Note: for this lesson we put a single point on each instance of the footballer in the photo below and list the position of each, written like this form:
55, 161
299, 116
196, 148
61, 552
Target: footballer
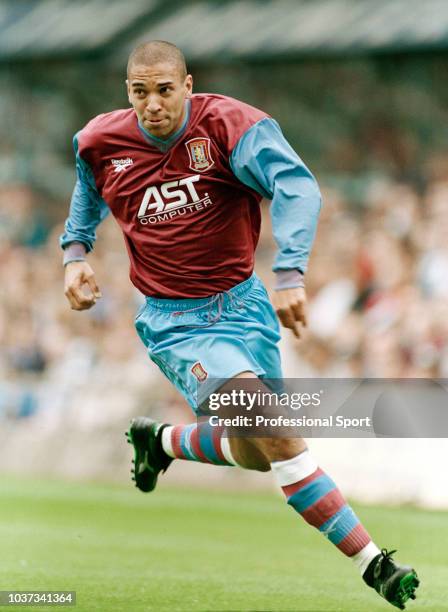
183, 174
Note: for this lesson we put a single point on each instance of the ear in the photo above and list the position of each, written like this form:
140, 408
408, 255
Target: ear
188, 85
128, 89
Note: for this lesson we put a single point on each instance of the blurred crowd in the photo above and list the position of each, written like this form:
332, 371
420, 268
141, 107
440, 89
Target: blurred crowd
378, 276
51, 356
377, 287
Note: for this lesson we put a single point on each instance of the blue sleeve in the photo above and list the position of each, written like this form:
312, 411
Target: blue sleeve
87, 208
263, 160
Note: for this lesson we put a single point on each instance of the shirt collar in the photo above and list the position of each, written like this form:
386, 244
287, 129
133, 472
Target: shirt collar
163, 144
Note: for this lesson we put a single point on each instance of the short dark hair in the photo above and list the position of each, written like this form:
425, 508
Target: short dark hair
157, 51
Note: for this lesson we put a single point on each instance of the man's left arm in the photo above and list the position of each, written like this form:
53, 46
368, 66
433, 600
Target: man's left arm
263, 160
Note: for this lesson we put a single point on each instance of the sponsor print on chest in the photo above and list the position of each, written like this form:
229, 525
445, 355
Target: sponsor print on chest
165, 201
172, 199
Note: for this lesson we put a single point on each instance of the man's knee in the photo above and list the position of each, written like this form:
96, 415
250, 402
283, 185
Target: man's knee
247, 455
280, 449
259, 453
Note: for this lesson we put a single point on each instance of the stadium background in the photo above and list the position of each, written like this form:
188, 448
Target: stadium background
361, 96
360, 90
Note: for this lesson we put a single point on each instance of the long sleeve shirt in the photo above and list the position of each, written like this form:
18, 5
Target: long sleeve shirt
189, 206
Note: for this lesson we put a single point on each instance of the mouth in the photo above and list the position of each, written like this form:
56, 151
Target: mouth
153, 121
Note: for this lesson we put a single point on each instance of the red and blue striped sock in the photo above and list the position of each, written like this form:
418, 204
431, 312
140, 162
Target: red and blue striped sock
197, 442
315, 496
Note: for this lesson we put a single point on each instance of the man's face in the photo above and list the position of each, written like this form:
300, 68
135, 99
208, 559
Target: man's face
157, 94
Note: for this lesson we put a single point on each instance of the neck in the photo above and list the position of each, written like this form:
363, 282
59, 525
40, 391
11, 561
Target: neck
165, 142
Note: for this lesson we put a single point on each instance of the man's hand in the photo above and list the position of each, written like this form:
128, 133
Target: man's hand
290, 305
79, 275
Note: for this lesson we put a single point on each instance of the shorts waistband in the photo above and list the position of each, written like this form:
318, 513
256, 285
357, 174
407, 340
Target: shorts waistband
171, 305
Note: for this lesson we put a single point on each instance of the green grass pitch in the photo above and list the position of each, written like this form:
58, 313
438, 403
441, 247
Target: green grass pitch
195, 550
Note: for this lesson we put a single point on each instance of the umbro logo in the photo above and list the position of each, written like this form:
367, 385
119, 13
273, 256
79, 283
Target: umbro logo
120, 165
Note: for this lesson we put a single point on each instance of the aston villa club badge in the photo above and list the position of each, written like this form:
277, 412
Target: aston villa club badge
199, 371
199, 154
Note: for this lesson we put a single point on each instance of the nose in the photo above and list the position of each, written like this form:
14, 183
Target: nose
153, 105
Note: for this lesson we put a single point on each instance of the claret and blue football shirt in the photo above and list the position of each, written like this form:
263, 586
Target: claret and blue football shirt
189, 206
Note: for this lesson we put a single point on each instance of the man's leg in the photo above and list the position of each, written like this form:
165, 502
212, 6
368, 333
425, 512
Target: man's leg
157, 444
309, 490
316, 498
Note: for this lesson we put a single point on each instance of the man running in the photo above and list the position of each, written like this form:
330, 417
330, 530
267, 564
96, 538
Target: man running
184, 175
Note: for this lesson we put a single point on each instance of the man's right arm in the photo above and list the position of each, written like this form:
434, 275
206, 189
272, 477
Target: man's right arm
87, 210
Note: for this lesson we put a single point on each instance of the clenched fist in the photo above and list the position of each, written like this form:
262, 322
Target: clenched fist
80, 289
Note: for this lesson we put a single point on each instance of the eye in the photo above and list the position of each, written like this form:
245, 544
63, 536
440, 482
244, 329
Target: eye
165, 89
140, 93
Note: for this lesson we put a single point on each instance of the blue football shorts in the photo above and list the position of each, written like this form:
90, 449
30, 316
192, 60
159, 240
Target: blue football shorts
200, 343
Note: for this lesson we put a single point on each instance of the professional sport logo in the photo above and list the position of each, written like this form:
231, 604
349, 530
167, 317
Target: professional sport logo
199, 154
120, 165
199, 371
172, 199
